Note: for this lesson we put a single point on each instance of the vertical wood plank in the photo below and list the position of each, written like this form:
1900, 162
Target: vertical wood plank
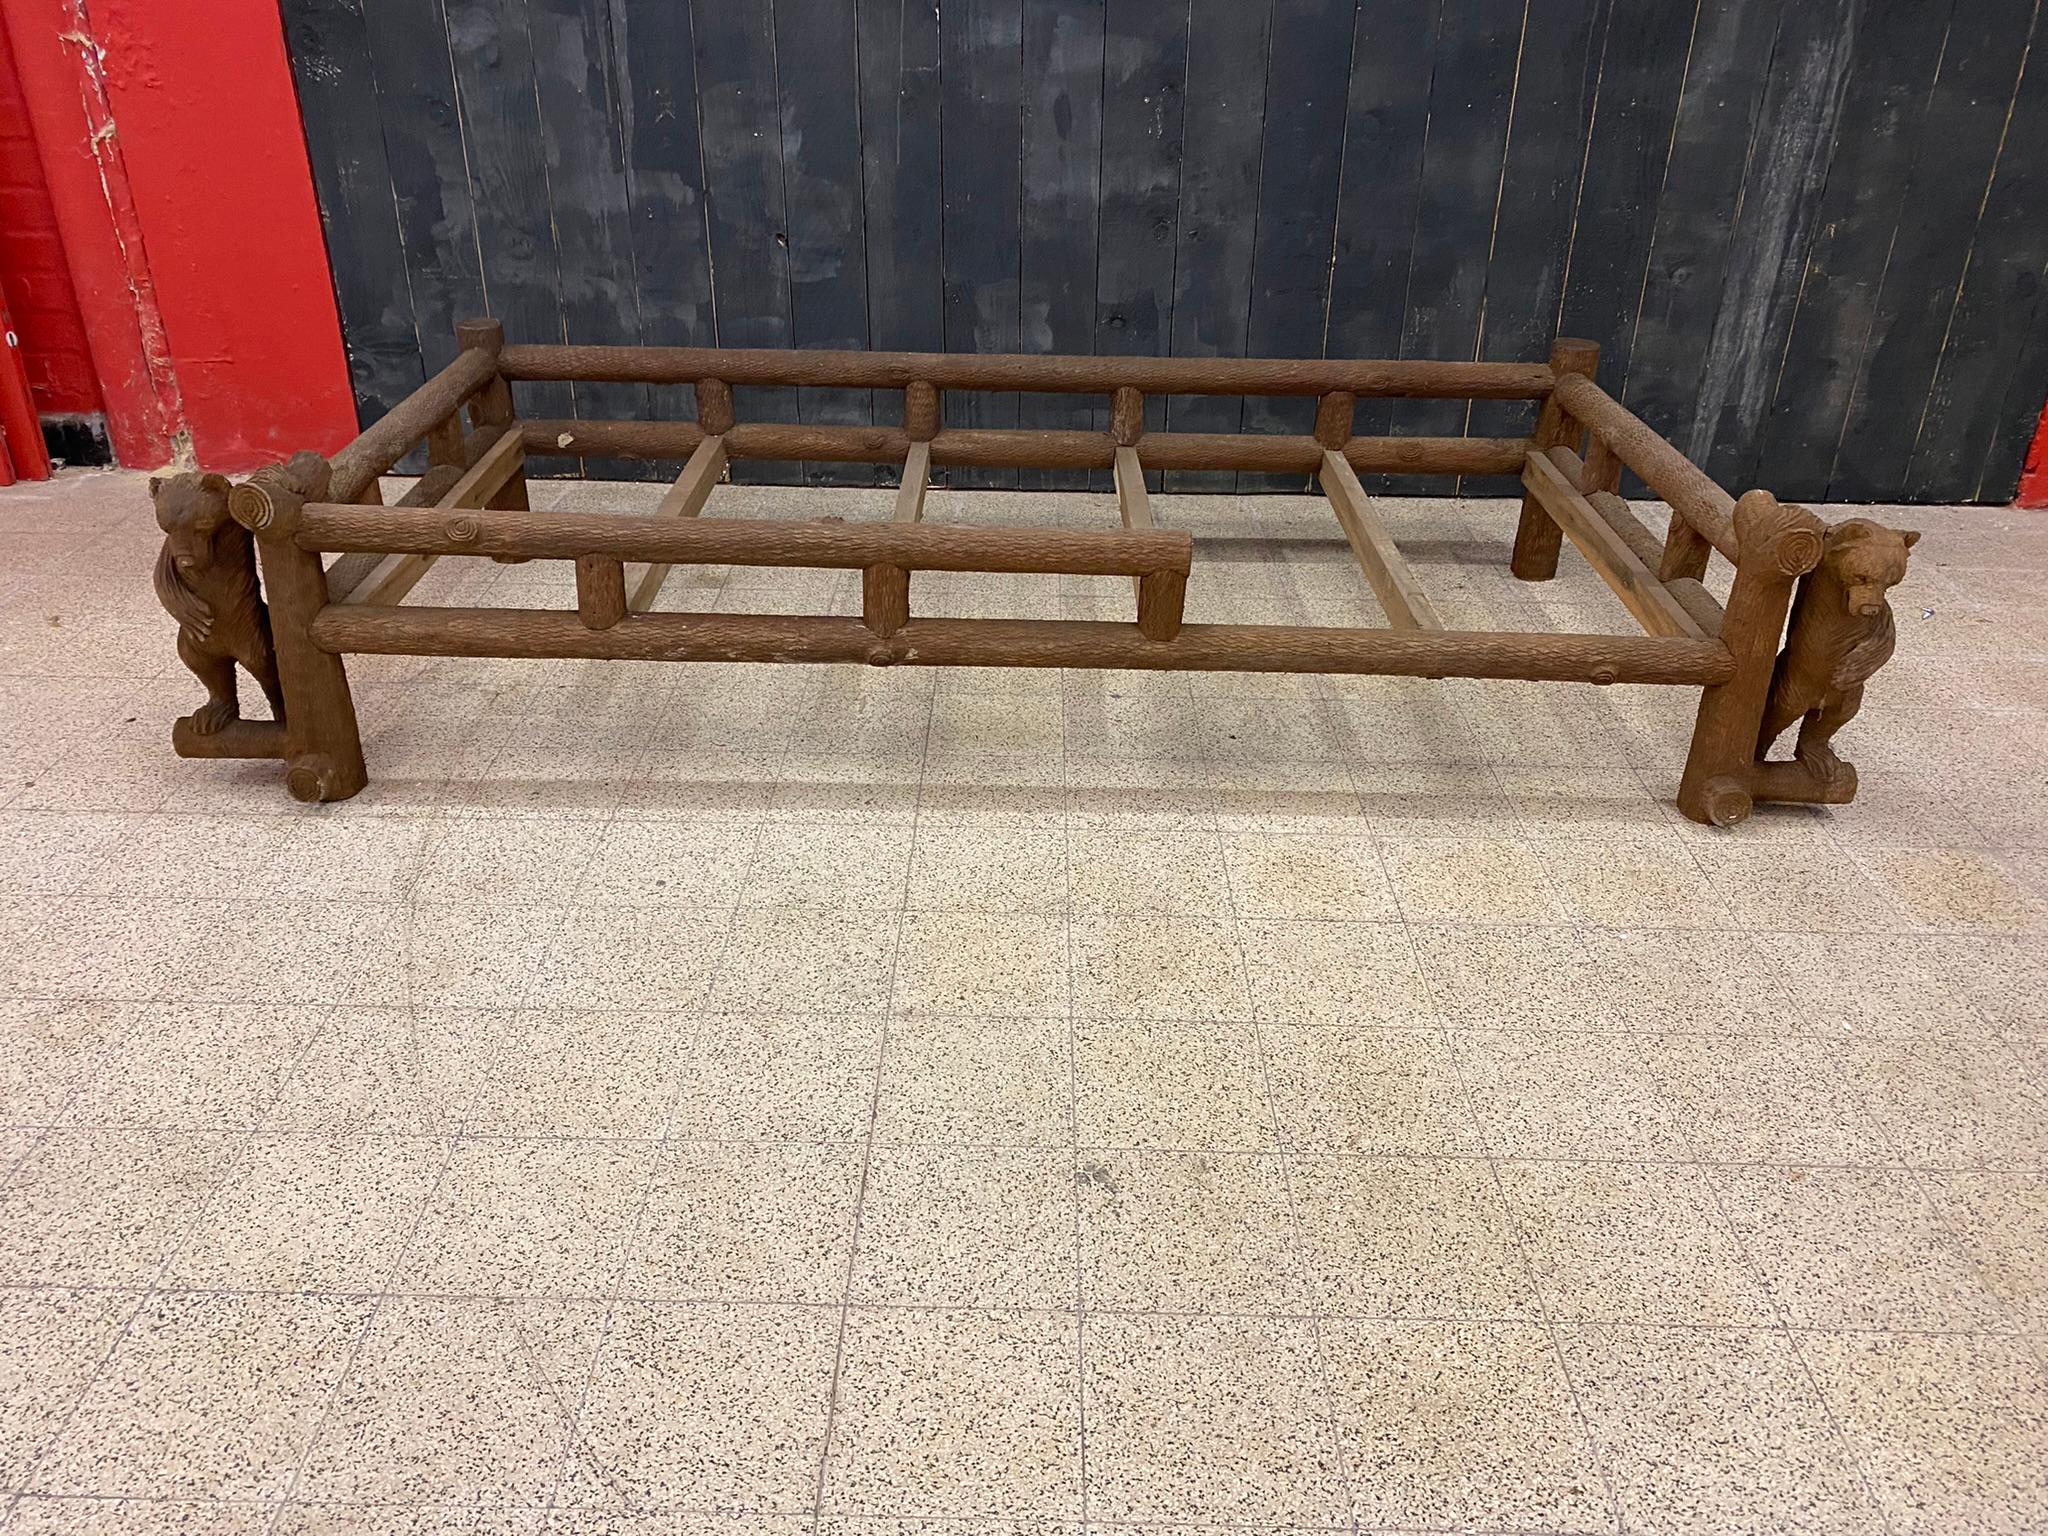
982, 43
1386, 124
743, 182
1301, 162
1144, 80
1960, 136
655, 51
1061, 159
1477, 49
493, 59
1993, 373
1226, 73
1694, 229
575, 79
821, 168
1539, 184
331, 62
900, 93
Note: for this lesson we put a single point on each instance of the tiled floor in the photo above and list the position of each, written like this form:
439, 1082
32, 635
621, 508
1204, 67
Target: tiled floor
898, 1104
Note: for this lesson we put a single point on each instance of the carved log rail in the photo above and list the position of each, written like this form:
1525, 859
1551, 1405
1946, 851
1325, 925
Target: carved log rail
472, 500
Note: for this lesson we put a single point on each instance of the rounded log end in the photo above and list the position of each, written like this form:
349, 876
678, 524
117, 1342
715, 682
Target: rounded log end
314, 776
1777, 534
1726, 801
250, 504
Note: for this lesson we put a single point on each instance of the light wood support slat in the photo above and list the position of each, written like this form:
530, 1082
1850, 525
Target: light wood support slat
917, 476
600, 591
1133, 505
1392, 582
487, 476
685, 498
369, 576
1606, 549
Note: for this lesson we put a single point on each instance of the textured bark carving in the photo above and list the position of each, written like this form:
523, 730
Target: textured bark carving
206, 580
1840, 633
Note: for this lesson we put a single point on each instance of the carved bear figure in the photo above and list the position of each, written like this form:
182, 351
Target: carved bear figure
1841, 632
206, 579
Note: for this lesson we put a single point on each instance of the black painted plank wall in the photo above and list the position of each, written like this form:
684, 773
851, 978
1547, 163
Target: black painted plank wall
1812, 235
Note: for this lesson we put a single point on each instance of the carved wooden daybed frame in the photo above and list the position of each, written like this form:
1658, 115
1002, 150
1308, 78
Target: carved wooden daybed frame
472, 501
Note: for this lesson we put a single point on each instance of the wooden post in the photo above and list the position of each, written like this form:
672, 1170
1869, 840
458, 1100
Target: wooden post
1775, 545
1335, 414
323, 748
920, 411
492, 407
1537, 538
600, 591
1685, 551
884, 598
1126, 415
1162, 597
714, 406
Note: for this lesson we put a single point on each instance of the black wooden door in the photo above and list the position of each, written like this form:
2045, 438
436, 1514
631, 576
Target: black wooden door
1809, 234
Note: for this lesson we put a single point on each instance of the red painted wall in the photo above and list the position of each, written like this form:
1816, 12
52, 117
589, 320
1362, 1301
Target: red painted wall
176, 166
33, 277
2034, 478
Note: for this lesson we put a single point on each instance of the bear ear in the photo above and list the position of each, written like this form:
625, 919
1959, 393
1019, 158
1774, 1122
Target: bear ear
156, 484
218, 484
1911, 536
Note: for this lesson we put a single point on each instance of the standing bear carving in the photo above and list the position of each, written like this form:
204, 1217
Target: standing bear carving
206, 579
1840, 634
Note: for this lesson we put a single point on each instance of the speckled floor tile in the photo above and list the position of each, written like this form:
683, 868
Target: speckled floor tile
746, 1221
1714, 1430
191, 1066
35, 1515
967, 1227
1948, 1429
207, 1397
1815, 890
972, 962
957, 1414
528, 1218
410, 1071
1289, 877
801, 959
1409, 1237
1495, 977
1470, 880
972, 868
1647, 881
1957, 889
1461, 1426
1539, 1094
1887, 985
1187, 1232
1127, 872
576, 1072
456, 1401
1764, 1100
1693, 982
1854, 1248
1199, 1419
53, 1048
51, 1344
704, 1407
1151, 967
1632, 1242
630, 957
1154, 1083
1347, 974
700, 865
310, 1213
778, 1077
950, 1078
1955, 1103
106, 1207
2000, 1222
1367, 1091
827, 864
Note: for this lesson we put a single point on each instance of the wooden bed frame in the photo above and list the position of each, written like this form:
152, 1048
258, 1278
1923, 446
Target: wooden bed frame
472, 501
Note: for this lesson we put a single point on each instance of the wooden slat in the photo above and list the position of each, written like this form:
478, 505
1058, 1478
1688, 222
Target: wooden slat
1608, 552
1133, 505
917, 475
1392, 582
370, 576
685, 498
487, 476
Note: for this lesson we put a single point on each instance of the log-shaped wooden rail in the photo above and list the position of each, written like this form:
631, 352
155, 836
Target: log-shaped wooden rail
735, 541
999, 448
1687, 487
1377, 377
1022, 643
393, 435
444, 488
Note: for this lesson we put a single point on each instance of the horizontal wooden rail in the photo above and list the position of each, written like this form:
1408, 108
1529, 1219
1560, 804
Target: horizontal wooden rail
736, 541
1021, 449
392, 436
1021, 643
1674, 477
1381, 377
